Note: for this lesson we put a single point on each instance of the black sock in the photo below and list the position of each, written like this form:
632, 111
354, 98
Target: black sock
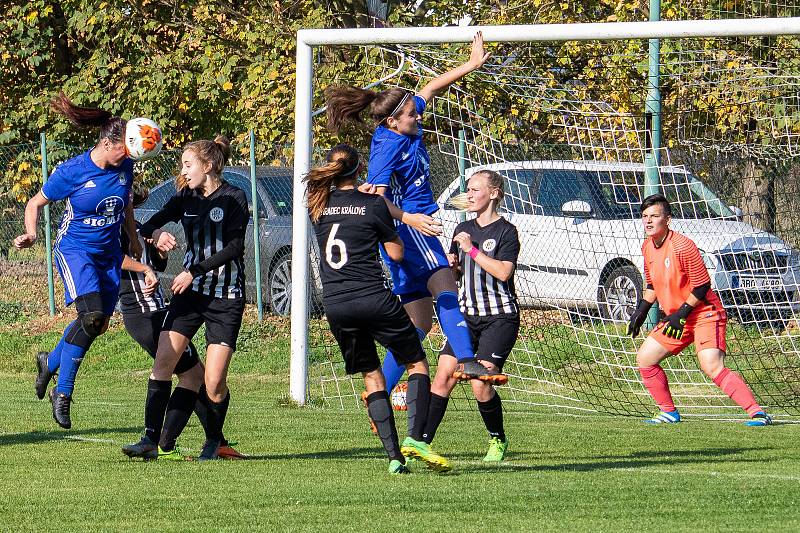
216, 417
418, 399
492, 414
438, 405
179, 409
201, 408
380, 411
155, 406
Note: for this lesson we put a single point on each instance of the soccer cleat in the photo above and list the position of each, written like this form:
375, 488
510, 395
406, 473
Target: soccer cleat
497, 450
474, 370
759, 419
396, 467
44, 376
664, 417
61, 408
372, 425
145, 448
422, 451
172, 455
226, 451
210, 450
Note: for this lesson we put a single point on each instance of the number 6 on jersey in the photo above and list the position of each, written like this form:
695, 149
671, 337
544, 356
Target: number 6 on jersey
332, 243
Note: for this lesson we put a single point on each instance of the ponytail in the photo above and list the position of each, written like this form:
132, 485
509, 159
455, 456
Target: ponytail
494, 180
111, 127
341, 164
215, 153
345, 104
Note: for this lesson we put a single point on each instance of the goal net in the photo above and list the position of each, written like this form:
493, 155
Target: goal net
562, 113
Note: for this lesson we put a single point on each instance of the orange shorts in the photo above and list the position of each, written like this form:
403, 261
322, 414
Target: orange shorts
707, 331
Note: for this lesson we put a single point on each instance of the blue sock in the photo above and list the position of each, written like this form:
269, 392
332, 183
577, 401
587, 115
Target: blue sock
391, 370
71, 359
54, 359
454, 325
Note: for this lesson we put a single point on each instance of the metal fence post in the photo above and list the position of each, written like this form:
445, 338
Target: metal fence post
48, 255
256, 227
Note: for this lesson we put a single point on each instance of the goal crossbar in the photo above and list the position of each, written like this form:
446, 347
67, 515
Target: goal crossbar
307, 39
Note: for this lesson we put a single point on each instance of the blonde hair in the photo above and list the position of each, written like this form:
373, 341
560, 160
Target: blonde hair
493, 180
214, 153
341, 164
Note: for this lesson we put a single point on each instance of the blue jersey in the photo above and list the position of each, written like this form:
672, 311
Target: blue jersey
95, 202
401, 163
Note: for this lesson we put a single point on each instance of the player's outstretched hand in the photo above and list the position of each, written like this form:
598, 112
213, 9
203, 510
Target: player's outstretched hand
181, 282
368, 188
425, 224
150, 282
25, 240
164, 241
478, 55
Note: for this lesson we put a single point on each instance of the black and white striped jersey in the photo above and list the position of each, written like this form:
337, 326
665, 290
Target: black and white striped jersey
215, 228
481, 293
131, 284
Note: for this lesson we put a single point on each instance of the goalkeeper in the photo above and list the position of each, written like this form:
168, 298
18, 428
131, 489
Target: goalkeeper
677, 277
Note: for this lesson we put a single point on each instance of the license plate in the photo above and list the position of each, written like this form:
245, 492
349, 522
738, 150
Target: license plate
760, 283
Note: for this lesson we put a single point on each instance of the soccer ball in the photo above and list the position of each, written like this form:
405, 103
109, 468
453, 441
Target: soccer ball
399, 397
142, 138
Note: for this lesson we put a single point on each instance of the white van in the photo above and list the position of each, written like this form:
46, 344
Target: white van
581, 237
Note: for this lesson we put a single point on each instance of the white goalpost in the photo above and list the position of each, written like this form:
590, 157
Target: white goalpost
586, 129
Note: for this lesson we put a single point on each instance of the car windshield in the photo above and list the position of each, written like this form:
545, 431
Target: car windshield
613, 195
279, 189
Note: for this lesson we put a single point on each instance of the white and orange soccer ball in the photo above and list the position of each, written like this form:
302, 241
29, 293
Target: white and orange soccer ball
142, 138
398, 397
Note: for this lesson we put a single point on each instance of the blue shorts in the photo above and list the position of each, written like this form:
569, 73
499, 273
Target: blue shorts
422, 257
84, 272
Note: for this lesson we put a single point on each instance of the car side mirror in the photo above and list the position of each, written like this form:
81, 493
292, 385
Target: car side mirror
737, 211
577, 209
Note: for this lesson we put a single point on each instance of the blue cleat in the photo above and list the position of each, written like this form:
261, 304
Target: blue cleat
664, 417
759, 419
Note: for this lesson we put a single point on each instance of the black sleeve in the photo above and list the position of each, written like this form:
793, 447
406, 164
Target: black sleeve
156, 261
171, 212
383, 221
700, 291
508, 247
235, 228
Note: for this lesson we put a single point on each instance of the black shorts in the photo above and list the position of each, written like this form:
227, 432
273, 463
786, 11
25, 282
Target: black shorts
493, 337
357, 324
145, 329
222, 316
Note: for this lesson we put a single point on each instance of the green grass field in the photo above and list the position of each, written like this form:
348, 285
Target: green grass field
314, 469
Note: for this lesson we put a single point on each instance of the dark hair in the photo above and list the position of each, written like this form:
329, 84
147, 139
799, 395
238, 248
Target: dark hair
139, 194
215, 153
111, 127
345, 104
341, 165
657, 199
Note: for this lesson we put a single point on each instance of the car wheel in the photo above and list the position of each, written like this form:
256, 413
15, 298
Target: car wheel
620, 293
280, 285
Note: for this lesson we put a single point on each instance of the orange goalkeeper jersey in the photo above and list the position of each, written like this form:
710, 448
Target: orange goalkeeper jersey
674, 270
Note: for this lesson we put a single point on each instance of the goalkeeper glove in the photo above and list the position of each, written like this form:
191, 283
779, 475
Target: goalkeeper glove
676, 322
638, 317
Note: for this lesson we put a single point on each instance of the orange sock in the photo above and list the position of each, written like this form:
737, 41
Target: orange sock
734, 386
655, 379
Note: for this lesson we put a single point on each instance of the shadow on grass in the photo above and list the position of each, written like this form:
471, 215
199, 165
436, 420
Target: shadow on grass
36, 437
633, 460
348, 453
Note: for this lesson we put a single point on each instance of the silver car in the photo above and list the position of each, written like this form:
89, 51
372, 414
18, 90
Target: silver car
274, 186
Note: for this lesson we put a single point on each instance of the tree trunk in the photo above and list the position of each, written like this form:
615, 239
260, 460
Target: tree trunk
758, 198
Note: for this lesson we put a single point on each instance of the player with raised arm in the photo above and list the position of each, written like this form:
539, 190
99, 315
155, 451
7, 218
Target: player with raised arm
483, 254
95, 187
349, 226
209, 291
677, 277
399, 167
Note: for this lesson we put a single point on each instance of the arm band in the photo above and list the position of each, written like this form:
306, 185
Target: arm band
701, 291
473, 252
